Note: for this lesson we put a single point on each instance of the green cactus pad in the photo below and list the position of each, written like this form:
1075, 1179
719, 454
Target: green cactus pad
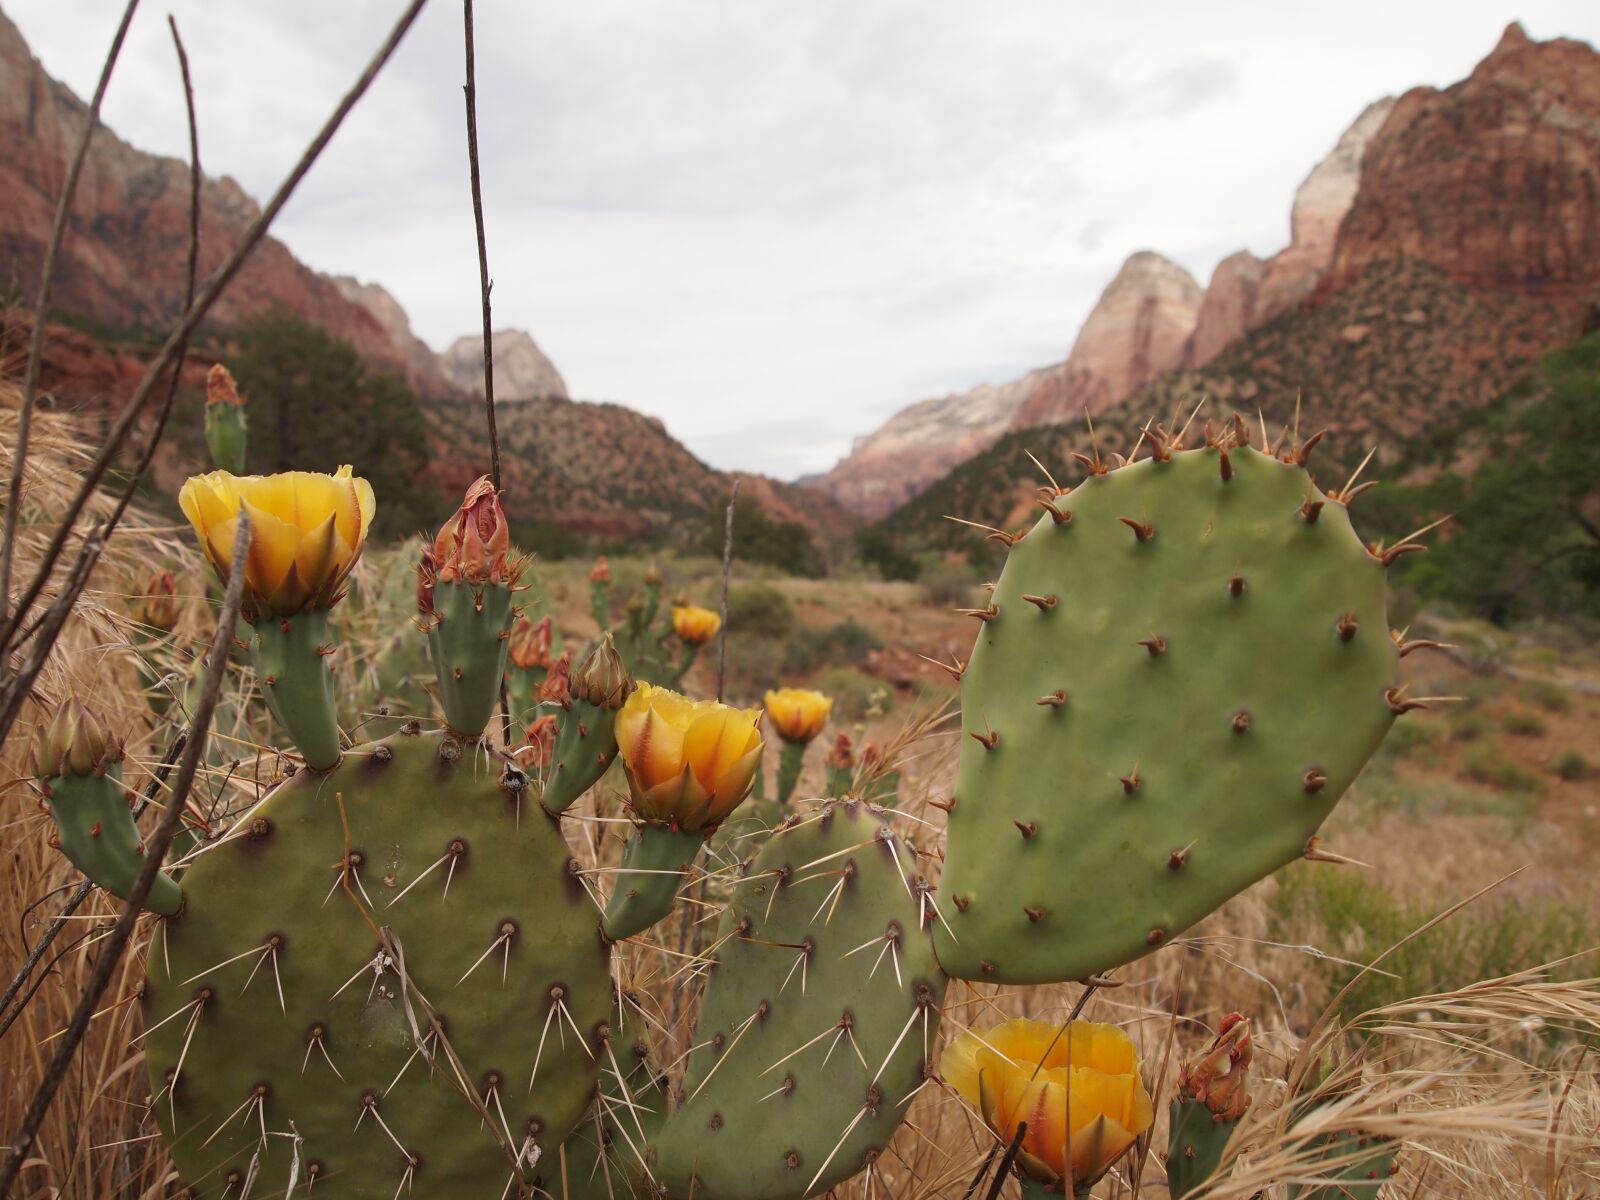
1183, 667
98, 835
290, 658
1196, 1141
292, 1042
606, 1156
817, 1023
468, 640
1361, 1163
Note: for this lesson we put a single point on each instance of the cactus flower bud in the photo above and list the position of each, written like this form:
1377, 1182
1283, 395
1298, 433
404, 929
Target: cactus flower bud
157, 608
1085, 1076
221, 388
75, 742
653, 578
227, 430
540, 741
602, 679
798, 714
1220, 1078
473, 544
307, 533
557, 685
695, 626
689, 763
601, 571
843, 755
530, 643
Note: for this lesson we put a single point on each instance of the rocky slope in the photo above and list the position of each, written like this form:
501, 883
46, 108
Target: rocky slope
1384, 359
1495, 179
1151, 318
1138, 328
521, 370
918, 444
122, 262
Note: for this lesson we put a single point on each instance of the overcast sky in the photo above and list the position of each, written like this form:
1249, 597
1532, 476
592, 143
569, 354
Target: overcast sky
773, 223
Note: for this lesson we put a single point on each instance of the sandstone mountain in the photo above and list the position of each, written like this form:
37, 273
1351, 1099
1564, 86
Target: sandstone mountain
1152, 318
1138, 328
1495, 179
1471, 248
122, 261
1246, 292
918, 444
521, 369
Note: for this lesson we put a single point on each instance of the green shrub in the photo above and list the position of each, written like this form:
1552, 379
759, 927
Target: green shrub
755, 663
760, 538
856, 696
1406, 737
1573, 767
876, 548
846, 642
950, 585
1468, 726
1346, 912
1486, 764
1523, 724
1551, 697
760, 609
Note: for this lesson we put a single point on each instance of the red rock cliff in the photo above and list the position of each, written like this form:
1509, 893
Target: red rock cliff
1496, 179
122, 262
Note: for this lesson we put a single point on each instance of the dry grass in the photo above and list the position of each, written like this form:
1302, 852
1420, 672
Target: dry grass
1489, 1084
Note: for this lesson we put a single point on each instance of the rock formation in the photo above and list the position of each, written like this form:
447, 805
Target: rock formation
888, 466
122, 263
1138, 328
521, 370
1495, 179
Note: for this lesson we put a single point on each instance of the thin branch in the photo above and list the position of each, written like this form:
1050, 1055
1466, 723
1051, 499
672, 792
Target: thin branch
484, 285
213, 288
727, 563
116, 942
81, 892
41, 306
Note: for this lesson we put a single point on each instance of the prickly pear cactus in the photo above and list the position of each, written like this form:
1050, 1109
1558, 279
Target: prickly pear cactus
1360, 1162
1183, 666
820, 1015
388, 978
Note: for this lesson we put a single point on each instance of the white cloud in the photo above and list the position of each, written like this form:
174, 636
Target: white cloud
772, 224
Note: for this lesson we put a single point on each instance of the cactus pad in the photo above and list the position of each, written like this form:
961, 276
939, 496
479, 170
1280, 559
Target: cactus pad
295, 1003
820, 1014
1183, 666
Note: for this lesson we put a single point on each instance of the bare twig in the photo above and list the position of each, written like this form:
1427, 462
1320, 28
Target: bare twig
41, 306
116, 942
484, 284
1003, 1171
16, 688
727, 563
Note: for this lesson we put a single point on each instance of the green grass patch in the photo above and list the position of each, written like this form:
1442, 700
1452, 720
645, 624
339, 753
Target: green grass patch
1524, 724
1347, 915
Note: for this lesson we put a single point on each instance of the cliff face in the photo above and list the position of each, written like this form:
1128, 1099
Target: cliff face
918, 444
1246, 292
122, 262
521, 370
1138, 328
1496, 179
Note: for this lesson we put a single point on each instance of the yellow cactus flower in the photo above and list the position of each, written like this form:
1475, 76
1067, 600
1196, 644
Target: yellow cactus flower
689, 762
308, 532
1078, 1088
695, 626
798, 714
